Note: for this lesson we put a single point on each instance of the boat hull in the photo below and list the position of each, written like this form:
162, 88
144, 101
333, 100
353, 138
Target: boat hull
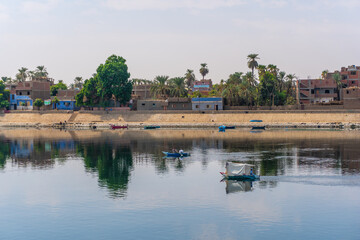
229, 127
169, 154
258, 127
118, 127
151, 127
241, 177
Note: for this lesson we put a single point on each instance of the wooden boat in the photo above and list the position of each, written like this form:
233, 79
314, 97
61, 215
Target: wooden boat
170, 154
151, 127
229, 127
239, 171
118, 127
258, 127
255, 120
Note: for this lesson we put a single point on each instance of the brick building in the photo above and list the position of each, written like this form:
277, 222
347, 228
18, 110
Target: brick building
34, 89
203, 86
350, 76
141, 91
316, 90
351, 97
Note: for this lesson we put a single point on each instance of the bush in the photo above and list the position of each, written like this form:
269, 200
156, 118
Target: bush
39, 103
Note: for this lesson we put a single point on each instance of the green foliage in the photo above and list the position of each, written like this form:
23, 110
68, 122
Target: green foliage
160, 88
190, 77
39, 102
4, 96
111, 82
54, 88
197, 94
177, 87
252, 63
204, 69
266, 89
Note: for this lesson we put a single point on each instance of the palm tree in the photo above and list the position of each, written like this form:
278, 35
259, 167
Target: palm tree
190, 77
22, 74
261, 70
41, 72
177, 85
160, 87
78, 82
252, 63
4, 79
337, 77
204, 69
248, 77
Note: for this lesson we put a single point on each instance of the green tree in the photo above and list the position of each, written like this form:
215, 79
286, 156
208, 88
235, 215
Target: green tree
41, 72
4, 95
190, 78
252, 63
197, 94
54, 88
88, 95
337, 78
22, 75
113, 81
39, 103
160, 88
177, 87
267, 87
55, 101
324, 74
78, 82
204, 70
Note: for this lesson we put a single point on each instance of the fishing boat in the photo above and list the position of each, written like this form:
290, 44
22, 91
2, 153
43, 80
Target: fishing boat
239, 171
112, 126
175, 154
258, 127
151, 127
229, 127
255, 120
222, 128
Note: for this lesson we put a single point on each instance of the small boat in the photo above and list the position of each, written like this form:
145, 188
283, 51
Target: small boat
222, 128
229, 127
255, 120
170, 154
118, 127
239, 171
258, 127
151, 127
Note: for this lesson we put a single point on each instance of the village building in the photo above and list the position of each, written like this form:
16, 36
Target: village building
351, 97
203, 104
67, 99
181, 104
141, 91
202, 86
350, 76
317, 91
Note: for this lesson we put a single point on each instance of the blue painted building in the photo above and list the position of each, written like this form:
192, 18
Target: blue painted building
203, 104
65, 105
23, 102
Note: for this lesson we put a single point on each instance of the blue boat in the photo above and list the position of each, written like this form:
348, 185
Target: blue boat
255, 120
151, 127
239, 171
170, 154
222, 128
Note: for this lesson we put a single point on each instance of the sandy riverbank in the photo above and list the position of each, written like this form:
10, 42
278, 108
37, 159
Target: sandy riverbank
80, 120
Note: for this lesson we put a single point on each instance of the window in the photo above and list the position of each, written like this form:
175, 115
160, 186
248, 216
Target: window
344, 77
153, 104
143, 104
20, 93
312, 91
347, 92
327, 91
196, 106
173, 106
13, 97
353, 72
352, 82
28, 93
207, 106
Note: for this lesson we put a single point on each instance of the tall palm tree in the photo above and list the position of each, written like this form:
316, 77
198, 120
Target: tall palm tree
248, 77
22, 74
160, 88
41, 72
78, 82
252, 63
177, 85
4, 79
204, 69
261, 70
190, 77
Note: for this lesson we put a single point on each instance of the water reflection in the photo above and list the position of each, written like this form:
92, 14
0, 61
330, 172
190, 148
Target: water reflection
113, 165
233, 186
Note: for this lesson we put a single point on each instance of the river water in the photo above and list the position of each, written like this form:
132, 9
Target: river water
117, 185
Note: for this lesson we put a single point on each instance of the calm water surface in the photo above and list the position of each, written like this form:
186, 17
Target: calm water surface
117, 185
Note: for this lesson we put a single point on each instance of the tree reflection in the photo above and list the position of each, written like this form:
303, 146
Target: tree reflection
112, 163
4, 153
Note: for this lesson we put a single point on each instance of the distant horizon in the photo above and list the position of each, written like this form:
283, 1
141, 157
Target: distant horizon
167, 37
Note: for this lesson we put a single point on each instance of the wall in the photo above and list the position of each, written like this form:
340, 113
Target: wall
151, 105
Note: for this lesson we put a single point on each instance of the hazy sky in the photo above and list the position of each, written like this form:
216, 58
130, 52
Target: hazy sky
166, 37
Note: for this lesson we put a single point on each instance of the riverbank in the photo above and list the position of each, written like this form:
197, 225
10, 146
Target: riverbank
101, 119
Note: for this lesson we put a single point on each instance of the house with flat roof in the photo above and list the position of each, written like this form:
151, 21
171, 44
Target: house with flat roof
316, 90
210, 103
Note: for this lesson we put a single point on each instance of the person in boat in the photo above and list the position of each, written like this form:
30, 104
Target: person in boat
181, 152
174, 150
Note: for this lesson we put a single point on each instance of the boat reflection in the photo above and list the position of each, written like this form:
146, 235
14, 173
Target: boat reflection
233, 186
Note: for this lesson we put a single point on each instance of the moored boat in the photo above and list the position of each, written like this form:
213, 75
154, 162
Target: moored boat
229, 127
255, 120
151, 127
175, 154
112, 126
239, 171
257, 127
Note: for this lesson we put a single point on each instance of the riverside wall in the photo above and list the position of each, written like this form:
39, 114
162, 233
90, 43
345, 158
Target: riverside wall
183, 119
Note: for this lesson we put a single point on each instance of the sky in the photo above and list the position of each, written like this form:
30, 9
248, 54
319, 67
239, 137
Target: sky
166, 37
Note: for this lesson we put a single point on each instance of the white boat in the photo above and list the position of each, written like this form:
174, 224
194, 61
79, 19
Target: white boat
239, 171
